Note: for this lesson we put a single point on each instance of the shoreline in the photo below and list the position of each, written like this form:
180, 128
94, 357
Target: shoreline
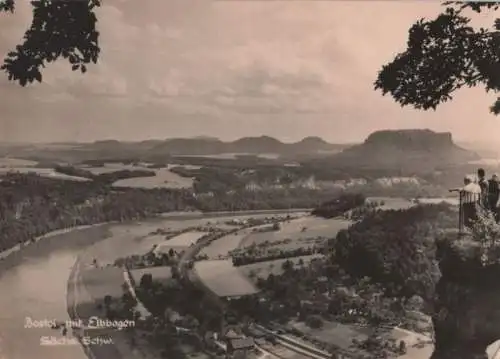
160, 216
18, 247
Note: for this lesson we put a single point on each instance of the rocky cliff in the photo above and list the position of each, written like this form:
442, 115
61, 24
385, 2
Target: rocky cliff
467, 307
405, 149
417, 140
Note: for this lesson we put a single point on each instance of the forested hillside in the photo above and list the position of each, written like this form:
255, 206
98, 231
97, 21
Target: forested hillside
31, 205
396, 248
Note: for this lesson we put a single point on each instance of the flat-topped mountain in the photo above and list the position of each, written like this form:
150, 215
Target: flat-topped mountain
419, 149
413, 140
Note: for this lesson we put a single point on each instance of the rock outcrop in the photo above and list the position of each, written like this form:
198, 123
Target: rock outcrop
467, 308
406, 149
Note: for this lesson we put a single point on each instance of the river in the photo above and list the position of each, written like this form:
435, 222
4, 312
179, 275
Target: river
34, 280
33, 284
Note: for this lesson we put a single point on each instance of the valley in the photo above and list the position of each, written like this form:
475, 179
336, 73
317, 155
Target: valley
205, 248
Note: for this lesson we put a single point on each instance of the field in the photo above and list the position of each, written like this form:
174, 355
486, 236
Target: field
183, 240
234, 156
8, 164
222, 246
263, 269
335, 333
392, 203
129, 239
298, 229
124, 241
164, 177
16, 162
100, 282
160, 274
225, 280
43, 172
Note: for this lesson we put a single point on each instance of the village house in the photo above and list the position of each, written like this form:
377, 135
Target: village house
239, 347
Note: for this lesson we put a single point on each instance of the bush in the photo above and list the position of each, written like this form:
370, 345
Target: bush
339, 205
314, 322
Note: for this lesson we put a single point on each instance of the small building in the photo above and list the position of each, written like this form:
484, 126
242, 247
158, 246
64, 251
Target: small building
241, 345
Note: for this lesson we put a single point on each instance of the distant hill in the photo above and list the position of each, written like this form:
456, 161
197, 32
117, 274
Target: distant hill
405, 149
245, 145
485, 150
309, 147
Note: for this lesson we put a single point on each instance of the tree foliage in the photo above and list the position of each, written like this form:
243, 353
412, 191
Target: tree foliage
444, 55
59, 29
396, 248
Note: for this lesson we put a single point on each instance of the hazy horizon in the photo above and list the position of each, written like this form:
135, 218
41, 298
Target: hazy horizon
458, 141
232, 69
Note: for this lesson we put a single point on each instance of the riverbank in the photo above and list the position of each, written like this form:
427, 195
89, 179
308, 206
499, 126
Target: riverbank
34, 277
159, 217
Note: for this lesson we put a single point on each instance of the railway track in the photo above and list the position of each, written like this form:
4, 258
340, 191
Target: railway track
296, 346
292, 345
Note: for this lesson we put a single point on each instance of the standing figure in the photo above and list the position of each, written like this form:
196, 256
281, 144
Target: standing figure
483, 184
494, 195
470, 197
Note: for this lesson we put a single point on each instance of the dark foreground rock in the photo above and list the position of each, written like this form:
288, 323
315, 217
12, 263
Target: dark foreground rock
467, 306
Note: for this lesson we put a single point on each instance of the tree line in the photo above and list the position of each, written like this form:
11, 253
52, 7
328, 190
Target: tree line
31, 205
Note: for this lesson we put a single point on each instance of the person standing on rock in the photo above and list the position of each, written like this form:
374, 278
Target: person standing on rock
470, 197
494, 195
483, 184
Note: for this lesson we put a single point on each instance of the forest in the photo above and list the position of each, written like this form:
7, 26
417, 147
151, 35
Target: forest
31, 205
395, 248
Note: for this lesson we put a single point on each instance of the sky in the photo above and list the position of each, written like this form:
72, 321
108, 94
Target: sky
230, 69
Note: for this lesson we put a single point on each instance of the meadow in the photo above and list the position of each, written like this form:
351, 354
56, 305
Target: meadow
222, 278
221, 247
100, 282
338, 334
181, 241
23, 166
234, 156
298, 229
164, 177
123, 241
11, 162
263, 269
136, 238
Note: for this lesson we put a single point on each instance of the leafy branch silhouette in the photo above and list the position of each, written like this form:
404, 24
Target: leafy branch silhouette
444, 55
59, 28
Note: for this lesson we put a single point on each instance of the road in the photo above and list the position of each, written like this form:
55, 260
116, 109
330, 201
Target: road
26, 291
188, 255
81, 306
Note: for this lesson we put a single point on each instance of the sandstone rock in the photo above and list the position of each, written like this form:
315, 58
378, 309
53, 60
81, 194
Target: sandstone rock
467, 307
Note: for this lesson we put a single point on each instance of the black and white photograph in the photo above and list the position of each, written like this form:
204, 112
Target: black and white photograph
249, 179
